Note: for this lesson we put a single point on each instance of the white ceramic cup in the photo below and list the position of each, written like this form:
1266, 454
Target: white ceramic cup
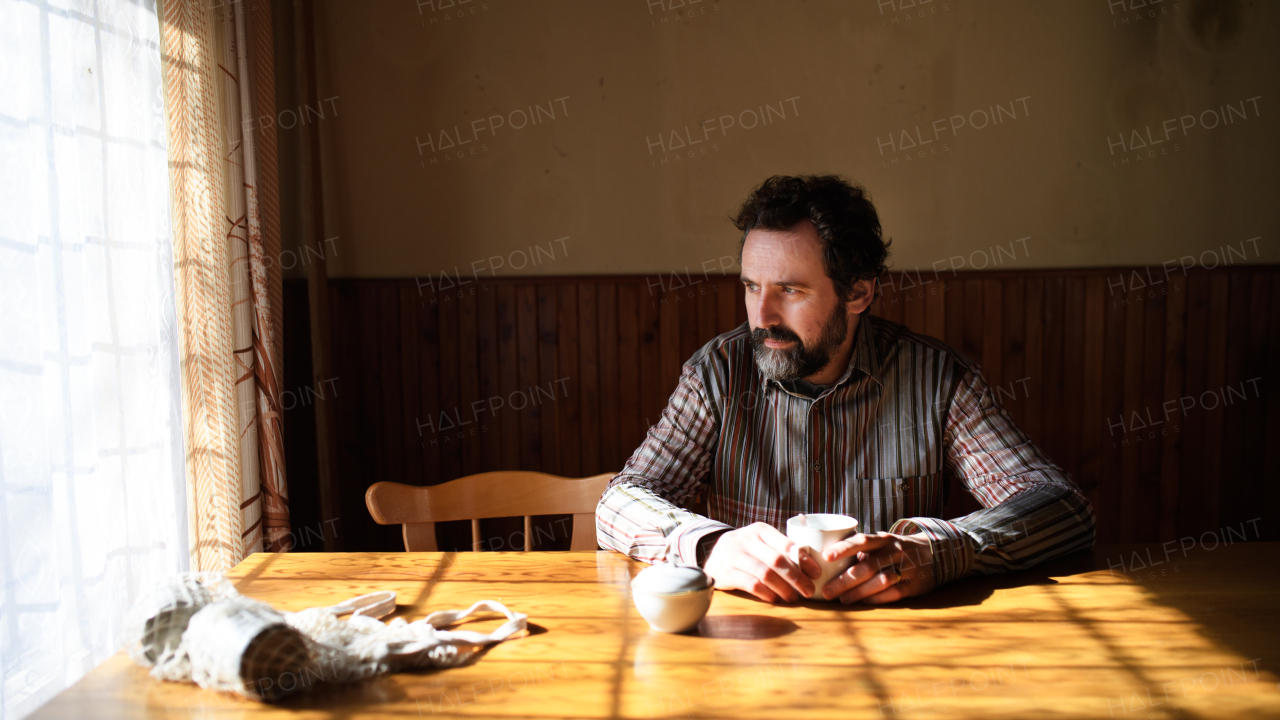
814, 533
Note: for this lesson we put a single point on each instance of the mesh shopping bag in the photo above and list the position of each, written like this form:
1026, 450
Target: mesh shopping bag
203, 631
155, 623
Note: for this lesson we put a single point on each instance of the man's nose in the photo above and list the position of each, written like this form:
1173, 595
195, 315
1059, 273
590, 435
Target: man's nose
766, 310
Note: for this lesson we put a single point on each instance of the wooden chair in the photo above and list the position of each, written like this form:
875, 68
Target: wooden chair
488, 495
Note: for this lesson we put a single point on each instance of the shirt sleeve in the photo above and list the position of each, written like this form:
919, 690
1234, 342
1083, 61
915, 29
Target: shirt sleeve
642, 512
1032, 510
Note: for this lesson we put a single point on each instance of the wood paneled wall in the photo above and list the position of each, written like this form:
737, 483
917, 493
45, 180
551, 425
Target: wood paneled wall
1158, 394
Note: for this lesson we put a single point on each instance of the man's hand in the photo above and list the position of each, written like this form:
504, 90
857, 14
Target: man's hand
889, 568
754, 559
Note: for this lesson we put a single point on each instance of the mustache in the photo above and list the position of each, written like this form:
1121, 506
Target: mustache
779, 333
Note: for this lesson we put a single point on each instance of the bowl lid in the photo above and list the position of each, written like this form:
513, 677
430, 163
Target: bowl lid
669, 578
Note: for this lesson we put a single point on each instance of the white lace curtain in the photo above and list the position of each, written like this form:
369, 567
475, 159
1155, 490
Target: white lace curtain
92, 498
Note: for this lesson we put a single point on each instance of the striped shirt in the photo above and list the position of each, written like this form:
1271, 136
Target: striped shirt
908, 413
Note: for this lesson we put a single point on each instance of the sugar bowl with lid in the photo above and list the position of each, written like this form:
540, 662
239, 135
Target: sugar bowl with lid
672, 597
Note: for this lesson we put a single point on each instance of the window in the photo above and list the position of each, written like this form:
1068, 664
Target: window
92, 498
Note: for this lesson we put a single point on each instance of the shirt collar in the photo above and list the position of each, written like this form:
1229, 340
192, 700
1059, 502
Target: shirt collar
864, 357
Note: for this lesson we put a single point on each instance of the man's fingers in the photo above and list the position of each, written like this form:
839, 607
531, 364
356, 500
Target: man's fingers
859, 573
766, 574
910, 584
854, 576
784, 545
742, 580
781, 564
879, 582
810, 567
858, 543
889, 557
766, 564
896, 592
759, 588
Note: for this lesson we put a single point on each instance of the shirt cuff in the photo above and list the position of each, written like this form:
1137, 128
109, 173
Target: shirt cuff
685, 539
951, 548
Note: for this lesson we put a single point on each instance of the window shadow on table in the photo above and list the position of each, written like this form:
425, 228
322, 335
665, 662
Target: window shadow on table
1224, 590
977, 590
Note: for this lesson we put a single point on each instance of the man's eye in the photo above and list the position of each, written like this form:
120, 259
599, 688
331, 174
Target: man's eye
789, 291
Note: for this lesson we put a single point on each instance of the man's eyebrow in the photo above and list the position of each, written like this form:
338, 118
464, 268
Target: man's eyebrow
778, 283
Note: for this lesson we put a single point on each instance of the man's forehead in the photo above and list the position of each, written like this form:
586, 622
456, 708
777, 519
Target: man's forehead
795, 250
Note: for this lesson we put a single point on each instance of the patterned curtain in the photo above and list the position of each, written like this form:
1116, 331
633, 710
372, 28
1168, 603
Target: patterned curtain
226, 241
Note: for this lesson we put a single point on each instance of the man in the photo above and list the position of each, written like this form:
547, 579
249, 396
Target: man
816, 406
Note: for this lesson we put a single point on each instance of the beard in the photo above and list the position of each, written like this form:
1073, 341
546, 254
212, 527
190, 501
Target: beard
799, 360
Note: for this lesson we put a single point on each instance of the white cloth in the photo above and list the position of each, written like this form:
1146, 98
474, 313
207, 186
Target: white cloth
92, 481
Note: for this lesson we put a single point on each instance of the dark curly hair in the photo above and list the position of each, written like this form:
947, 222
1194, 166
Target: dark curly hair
847, 223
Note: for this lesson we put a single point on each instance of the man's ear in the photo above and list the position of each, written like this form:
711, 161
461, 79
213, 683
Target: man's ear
861, 294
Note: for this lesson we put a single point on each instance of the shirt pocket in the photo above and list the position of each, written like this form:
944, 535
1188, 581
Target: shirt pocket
891, 499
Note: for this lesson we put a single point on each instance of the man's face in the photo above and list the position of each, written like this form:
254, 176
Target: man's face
797, 321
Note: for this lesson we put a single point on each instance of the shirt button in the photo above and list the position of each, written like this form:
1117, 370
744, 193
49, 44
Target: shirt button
817, 466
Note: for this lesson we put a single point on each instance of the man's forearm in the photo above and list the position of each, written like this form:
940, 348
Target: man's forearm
1033, 510
1042, 521
638, 523
1034, 525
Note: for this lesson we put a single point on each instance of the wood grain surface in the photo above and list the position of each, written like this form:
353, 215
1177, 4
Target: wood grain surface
1185, 630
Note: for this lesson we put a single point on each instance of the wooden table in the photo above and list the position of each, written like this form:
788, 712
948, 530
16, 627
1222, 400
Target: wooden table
1104, 634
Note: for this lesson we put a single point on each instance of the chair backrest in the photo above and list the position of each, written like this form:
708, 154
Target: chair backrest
488, 495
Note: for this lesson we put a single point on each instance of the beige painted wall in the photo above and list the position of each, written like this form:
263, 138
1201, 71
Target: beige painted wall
600, 189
